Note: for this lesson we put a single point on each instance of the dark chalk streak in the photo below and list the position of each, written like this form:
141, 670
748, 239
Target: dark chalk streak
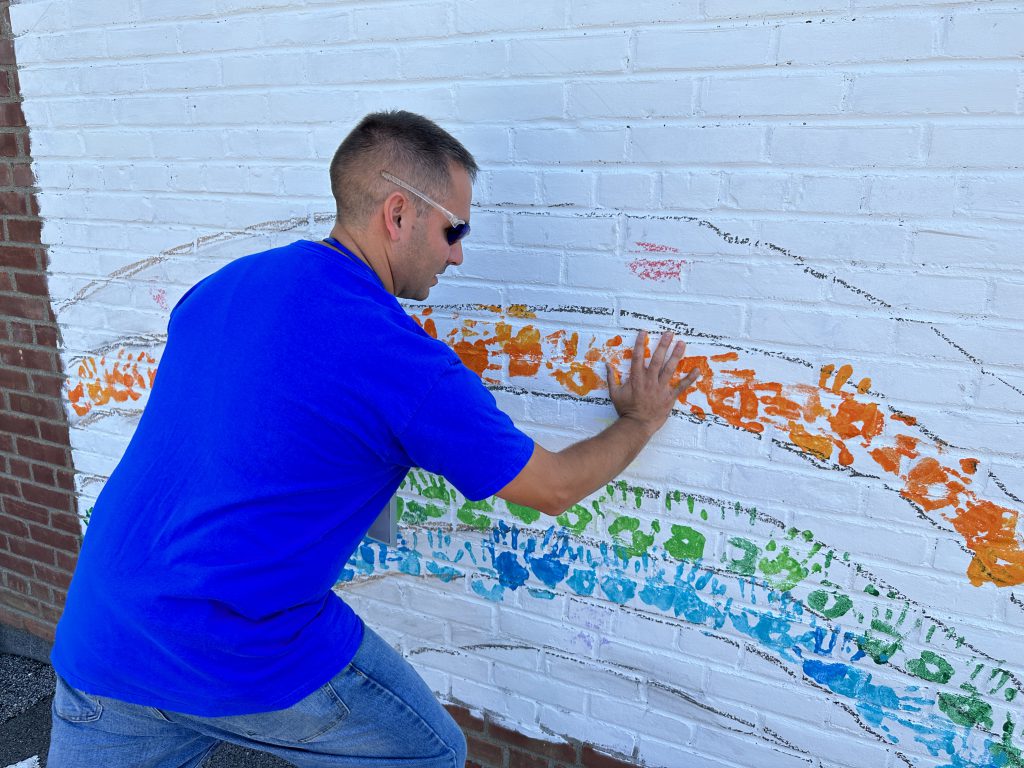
817, 463
684, 329
676, 414
958, 348
870, 297
943, 444
1002, 487
1014, 600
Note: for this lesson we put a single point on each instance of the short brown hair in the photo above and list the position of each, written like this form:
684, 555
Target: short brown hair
408, 145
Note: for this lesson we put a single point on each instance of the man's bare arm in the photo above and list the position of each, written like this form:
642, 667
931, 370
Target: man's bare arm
552, 482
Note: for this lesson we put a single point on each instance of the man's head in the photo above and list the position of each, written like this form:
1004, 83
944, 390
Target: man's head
399, 181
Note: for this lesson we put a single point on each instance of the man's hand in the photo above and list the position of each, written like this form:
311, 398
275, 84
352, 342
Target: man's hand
553, 482
648, 395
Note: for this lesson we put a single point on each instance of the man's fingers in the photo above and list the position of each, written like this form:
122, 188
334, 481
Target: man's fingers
687, 382
658, 358
673, 361
612, 376
638, 354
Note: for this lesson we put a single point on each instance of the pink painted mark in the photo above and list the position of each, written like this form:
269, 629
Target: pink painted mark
657, 269
160, 297
657, 248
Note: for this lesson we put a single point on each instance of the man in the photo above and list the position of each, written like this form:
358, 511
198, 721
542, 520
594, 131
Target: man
293, 396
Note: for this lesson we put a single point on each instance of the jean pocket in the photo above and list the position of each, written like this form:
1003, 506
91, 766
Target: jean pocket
74, 705
300, 723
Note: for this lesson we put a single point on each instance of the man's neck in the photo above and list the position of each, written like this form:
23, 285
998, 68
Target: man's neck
379, 264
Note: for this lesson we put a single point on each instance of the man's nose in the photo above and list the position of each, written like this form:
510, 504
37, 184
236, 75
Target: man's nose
455, 254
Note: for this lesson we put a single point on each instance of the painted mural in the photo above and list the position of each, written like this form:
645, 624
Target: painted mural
677, 540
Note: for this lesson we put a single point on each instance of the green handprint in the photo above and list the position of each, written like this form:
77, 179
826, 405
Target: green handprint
883, 639
640, 541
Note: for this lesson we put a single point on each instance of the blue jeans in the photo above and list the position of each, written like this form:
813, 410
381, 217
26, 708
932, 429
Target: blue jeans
376, 713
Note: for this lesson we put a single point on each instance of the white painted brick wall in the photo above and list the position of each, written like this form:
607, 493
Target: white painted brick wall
559, 56
803, 183
706, 48
769, 95
845, 40
986, 36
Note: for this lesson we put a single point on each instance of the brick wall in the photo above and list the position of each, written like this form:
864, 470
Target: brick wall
39, 531
818, 562
492, 745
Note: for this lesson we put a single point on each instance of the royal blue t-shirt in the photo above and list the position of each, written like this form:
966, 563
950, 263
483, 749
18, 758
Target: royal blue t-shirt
292, 397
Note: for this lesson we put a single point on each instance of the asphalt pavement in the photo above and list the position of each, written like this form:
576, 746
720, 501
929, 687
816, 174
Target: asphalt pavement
26, 693
27, 688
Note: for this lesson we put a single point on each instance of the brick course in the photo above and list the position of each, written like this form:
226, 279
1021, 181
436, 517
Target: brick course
39, 531
494, 746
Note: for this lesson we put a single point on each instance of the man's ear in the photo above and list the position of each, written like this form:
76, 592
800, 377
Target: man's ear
396, 208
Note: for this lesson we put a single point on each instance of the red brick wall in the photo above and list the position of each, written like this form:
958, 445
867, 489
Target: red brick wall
39, 529
493, 746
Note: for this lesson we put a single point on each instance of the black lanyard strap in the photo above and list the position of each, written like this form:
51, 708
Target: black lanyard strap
333, 242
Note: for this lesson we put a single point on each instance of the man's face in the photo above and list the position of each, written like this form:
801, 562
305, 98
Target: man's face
425, 254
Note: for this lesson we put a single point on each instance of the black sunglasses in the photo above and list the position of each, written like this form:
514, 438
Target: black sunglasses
458, 229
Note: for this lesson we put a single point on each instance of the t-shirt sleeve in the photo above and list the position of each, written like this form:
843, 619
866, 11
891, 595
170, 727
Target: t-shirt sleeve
459, 432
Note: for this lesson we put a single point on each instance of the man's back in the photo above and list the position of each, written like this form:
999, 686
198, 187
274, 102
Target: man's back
204, 584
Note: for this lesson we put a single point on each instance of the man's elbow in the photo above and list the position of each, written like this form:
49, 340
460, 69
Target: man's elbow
541, 485
549, 502
550, 498
557, 497
554, 507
